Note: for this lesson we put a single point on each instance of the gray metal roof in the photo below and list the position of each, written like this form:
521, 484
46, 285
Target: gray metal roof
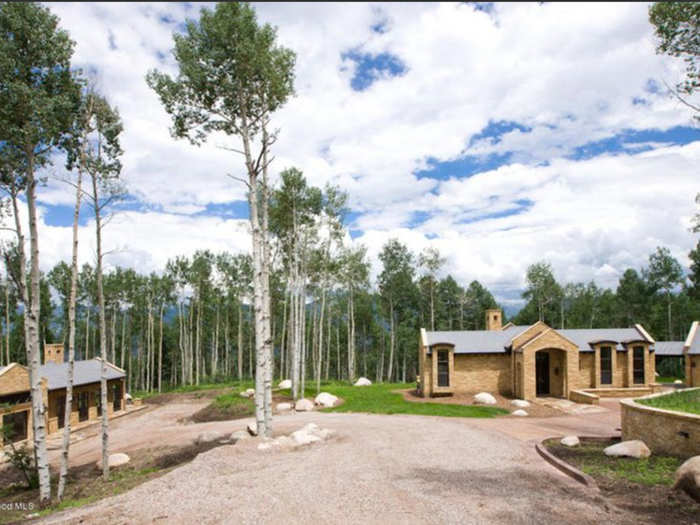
85, 372
583, 337
671, 348
496, 341
476, 341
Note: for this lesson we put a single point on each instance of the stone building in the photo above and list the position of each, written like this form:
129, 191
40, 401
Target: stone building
537, 360
15, 395
691, 352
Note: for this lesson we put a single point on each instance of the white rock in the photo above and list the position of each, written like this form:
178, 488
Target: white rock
128, 397
208, 437
520, 412
634, 449
286, 383
239, 435
264, 446
245, 394
283, 407
310, 428
678, 382
326, 399
363, 381
301, 437
252, 428
325, 433
520, 403
570, 441
114, 460
304, 405
688, 478
484, 398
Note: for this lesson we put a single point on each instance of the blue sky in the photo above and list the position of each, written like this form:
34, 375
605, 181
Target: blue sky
501, 134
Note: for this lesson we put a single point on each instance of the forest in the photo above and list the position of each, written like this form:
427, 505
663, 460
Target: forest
192, 323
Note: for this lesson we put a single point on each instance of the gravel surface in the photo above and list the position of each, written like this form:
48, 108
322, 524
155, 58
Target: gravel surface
377, 469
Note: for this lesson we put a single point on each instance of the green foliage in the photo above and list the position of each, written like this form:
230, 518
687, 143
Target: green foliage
20, 458
543, 290
682, 401
230, 74
677, 26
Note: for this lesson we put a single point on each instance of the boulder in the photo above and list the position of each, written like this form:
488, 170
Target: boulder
688, 478
128, 398
283, 407
114, 460
310, 428
252, 428
570, 441
302, 437
245, 394
239, 435
678, 382
484, 398
520, 412
520, 403
363, 381
326, 399
633, 449
284, 384
304, 405
264, 446
208, 437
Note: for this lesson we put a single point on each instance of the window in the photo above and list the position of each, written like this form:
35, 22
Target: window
98, 402
83, 402
638, 365
443, 368
605, 365
117, 401
61, 411
16, 425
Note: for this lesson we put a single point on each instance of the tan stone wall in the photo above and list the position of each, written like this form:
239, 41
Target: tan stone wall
663, 431
15, 380
692, 370
528, 334
483, 372
567, 363
586, 369
92, 389
579, 396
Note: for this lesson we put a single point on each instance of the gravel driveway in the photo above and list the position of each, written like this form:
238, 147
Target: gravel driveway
377, 469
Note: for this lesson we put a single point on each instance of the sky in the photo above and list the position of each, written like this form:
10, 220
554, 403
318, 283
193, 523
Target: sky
501, 134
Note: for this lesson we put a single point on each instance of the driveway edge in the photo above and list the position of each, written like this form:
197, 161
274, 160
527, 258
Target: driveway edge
564, 467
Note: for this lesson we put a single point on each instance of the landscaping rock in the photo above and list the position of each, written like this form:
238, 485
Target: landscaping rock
484, 398
678, 382
310, 428
208, 437
114, 460
239, 435
570, 441
520, 403
128, 398
688, 478
326, 399
363, 381
283, 407
302, 437
286, 383
632, 449
245, 394
304, 405
252, 428
520, 412
264, 446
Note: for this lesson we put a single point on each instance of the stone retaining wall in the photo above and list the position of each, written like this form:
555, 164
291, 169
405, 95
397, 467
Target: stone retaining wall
663, 431
579, 396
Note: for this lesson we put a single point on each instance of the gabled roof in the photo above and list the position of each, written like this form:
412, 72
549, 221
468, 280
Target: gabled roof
669, 348
497, 341
84, 372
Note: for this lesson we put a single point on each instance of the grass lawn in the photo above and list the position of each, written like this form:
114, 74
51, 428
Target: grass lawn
681, 401
381, 399
667, 379
589, 458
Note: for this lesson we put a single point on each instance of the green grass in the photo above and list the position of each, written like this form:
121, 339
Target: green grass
382, 399
681, 401
184, 389
667, 379
589, 457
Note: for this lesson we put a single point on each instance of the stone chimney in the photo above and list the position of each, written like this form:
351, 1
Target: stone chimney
53, 353
494, 320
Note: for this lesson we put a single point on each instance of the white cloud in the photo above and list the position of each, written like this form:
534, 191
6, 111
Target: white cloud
569, 71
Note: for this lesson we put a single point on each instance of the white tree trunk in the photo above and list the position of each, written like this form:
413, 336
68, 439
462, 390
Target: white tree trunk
71, 342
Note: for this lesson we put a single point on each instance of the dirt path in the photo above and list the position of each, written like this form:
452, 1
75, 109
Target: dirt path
378, 469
